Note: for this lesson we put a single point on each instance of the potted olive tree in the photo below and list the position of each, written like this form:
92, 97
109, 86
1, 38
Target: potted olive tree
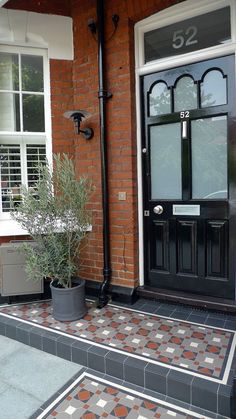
55, 215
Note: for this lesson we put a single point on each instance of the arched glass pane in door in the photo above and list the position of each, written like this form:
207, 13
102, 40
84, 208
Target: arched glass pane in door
213, 89
159, 100
185, 94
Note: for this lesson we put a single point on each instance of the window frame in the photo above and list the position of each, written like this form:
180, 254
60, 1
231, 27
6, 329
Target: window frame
7, 225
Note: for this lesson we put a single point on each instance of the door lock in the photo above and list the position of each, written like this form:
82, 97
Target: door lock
158, 210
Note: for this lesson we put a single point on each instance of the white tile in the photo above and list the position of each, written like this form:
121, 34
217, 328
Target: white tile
34, 311
136, 340
128, 328
83, 335
101, 403
194, 344
169, 321
181, 331
149, 324
94, 383
209, 360
217, 340
106, 332
121, 317
112, 344
70, 410
79, 324
183, 365
159, 336
141, 417
145, 354
170, 413
130, 397
101, 321
201, 328
170, 350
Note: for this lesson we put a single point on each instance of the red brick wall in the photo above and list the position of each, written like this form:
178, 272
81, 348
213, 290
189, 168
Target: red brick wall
75, 85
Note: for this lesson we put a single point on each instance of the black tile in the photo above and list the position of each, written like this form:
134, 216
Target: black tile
64, 347
22, 333
134, 371
225, 392
229, 324
36, 338
215, 322
180, 315
164, 311
179, 386
114, 363
150, 393
196, 319
204, 394
3, 322
11, 329
156, 378
80, 353
96, 358
49, 343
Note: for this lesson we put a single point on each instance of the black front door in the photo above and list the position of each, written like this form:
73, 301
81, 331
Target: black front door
189, 178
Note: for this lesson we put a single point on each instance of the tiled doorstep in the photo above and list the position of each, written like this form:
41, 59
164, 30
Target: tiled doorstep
133, 390
186, 388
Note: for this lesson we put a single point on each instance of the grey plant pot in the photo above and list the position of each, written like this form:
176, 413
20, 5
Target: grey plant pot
68, 304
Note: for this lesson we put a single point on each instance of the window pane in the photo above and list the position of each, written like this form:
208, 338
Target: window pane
9, 71
213, 89
10, 171
32, 73
209, 158
165, 152
33, 113
10, 112
36, 155
159, 100
185, 94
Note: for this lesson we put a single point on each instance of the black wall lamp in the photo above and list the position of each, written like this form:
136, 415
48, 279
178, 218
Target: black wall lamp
77, 116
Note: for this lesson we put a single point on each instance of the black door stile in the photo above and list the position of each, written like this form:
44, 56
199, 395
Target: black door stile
190, 251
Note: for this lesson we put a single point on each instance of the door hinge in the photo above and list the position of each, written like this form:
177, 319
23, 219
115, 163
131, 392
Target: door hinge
146, 213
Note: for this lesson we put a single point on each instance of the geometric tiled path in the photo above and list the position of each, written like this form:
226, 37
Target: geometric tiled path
90, 397
181, 354
205, 351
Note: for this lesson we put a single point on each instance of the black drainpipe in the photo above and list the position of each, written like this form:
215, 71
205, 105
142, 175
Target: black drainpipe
103, 95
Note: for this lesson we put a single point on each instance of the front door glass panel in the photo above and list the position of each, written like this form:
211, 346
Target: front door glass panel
159, 99
165, 151
209, 158
185, 94
213, 89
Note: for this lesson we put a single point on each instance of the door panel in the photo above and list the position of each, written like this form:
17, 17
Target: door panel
189, 178
187, 247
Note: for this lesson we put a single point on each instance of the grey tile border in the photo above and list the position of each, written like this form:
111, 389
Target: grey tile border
49, 342
134, 370
36, 338
205, 394
96, 358
156, 378
80, 352
114, 364
64, 347
179, 386
224, 400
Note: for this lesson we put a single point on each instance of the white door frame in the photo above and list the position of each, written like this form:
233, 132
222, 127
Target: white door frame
176, 13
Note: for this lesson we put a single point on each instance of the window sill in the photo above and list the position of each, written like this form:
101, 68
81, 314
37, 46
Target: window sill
9, 228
